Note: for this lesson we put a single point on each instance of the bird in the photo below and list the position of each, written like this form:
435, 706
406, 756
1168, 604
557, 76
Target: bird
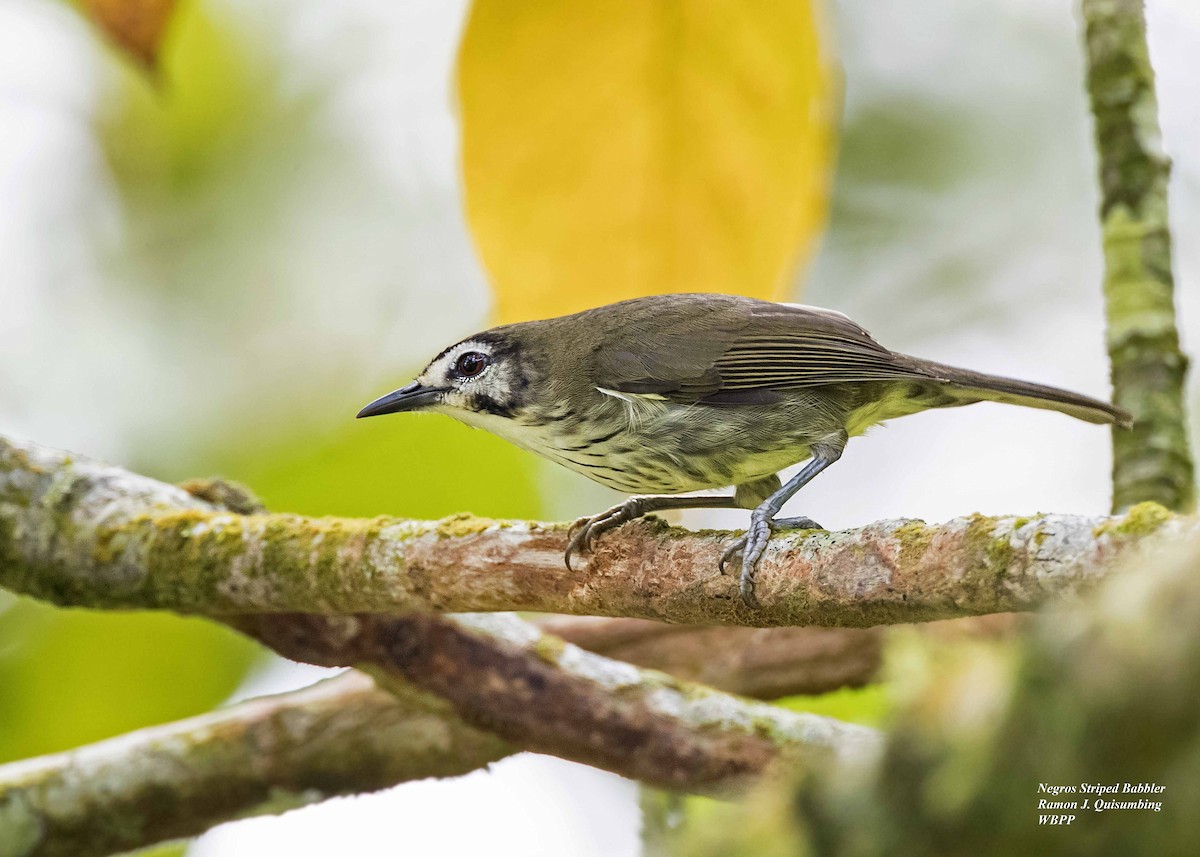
666, 395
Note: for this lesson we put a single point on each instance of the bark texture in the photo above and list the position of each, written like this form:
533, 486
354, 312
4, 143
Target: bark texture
501, 674
1153, 461
78, 533
1102, 693
496, 673
341, 736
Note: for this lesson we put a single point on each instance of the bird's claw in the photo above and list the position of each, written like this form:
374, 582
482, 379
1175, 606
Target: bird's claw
752, 545
585, 531
730, 552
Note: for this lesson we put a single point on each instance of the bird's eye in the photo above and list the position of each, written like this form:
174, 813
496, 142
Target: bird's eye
470, 364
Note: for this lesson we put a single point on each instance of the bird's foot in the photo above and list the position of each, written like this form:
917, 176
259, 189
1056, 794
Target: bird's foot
585, 531
752, 545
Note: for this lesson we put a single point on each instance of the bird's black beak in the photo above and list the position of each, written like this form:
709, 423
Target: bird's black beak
410, 398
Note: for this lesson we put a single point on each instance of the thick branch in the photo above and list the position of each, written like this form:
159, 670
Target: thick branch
1101, 694
83, 534
501, 674
341, 736
346, 736
497, 673
1152, 462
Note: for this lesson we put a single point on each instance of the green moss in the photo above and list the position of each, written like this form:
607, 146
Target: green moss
1140, 520
192, 559
981, 540
659, 526
462, 524
13, 458
915, 538
225, 493
320, 550
999, 555
714, 534
183, 569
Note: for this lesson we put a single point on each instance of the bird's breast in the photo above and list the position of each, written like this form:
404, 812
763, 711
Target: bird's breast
659, 447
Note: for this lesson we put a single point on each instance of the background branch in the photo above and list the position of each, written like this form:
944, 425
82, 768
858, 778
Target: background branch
347, 736
1153, 461
83, 533
764, 663
340, 736
499, 673
79, 533
1101, 692
495, 672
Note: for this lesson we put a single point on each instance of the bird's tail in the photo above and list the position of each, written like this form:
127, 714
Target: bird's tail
977, 386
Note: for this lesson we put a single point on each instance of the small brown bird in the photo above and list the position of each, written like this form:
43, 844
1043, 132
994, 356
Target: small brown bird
675, 393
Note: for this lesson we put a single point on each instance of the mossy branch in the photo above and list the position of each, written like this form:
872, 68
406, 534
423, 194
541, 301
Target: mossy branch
347, 736
79, 533
988, 743
520, 689
496, 672
338, 737
1153, 462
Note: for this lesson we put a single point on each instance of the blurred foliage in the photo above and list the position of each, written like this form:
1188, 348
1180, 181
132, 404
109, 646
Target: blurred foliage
71, 676
74, 676
175, 142
421, 466
673, 147
668, 147
136, 26
868, 705
669, 819
201, 106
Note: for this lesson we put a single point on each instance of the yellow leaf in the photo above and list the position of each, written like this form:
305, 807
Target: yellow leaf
612, 150
137, 26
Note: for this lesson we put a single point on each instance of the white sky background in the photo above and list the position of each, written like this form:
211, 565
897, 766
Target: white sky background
1015, 231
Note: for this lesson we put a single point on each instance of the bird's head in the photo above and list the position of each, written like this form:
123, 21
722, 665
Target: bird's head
478, 380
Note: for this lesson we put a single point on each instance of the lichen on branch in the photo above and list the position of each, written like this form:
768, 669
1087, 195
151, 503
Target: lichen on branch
341, 736
78, 533
1153, 461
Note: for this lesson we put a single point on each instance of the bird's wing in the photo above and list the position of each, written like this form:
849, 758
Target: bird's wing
744, 353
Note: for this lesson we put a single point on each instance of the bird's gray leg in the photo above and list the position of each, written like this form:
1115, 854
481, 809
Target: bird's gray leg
762, 523
584, 531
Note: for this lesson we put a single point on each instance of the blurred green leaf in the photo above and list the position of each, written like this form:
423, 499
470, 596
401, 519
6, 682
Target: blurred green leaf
868, 705
70, 677
211, 90
410, 465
